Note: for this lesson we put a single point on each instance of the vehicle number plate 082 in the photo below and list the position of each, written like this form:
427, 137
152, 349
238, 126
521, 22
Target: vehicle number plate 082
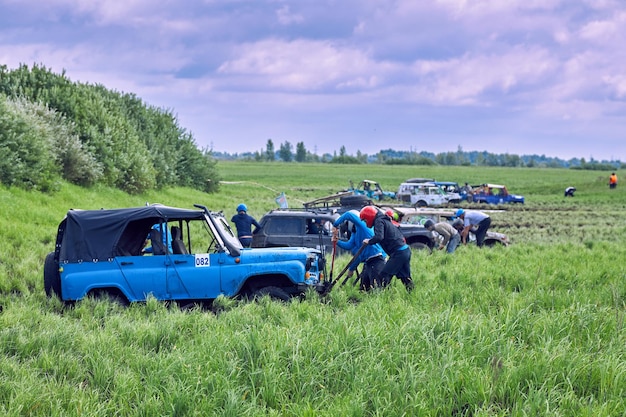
202, 260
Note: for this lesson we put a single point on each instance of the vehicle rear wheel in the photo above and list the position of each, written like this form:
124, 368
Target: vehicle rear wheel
421, 203
275, 293
420, 246
51, 277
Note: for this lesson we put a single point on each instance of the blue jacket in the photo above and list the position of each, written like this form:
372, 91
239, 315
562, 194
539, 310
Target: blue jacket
360, 232
243, 222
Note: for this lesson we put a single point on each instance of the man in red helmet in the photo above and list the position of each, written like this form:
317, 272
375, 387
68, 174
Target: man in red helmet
393, 216
392, 242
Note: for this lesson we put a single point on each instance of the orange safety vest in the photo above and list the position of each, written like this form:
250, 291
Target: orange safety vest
613, 179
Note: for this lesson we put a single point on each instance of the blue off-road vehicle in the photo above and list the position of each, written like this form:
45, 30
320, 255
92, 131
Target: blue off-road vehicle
193, 257
372, 190
494, 194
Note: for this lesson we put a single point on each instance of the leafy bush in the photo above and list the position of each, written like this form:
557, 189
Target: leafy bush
40, 147
25, 148
196, 170
111, 137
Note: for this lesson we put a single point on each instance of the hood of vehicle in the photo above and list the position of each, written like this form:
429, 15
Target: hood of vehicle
499, 236
279, 253
453, 196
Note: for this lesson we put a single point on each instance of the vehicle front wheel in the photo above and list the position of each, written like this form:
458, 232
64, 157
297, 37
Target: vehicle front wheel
51, 277
275, 293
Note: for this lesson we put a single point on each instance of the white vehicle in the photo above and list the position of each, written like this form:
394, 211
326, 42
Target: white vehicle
417, 216
425, 194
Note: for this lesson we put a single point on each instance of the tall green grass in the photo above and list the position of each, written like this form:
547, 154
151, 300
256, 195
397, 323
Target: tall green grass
533, 329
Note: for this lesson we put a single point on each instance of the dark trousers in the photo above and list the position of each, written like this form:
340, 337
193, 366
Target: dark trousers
245, 241
482, 231
371, 271
398, 264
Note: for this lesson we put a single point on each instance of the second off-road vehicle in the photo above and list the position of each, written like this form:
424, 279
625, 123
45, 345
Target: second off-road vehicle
312, 228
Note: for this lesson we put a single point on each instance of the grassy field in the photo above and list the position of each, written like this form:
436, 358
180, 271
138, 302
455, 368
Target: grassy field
533, 329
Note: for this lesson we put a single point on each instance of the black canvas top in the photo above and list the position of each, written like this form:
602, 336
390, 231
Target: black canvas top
89, 235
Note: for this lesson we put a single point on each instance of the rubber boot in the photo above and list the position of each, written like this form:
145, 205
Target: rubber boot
408, 283
385, 281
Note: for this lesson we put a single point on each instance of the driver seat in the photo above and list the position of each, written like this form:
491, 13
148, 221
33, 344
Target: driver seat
156, 239
178, 246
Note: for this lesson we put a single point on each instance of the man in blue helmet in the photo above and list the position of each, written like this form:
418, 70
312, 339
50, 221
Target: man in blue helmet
372, 257
473, 218
243, 222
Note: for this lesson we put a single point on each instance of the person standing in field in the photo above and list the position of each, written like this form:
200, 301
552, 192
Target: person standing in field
372, 256
393, 243
613, 180
473, 218
451, 238
243, 222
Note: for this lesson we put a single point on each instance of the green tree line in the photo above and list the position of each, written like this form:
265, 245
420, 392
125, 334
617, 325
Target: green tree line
53, 129
395, 157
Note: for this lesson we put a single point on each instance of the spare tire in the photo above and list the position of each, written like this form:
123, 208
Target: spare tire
354, 200
51, 277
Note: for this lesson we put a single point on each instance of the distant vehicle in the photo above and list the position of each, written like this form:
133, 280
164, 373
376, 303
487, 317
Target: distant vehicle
425, 194
494, 194
449, 187
417, 216
419, 180
372, 190
100, 253
452, 188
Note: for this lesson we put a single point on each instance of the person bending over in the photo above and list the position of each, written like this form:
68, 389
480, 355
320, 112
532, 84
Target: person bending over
393, 243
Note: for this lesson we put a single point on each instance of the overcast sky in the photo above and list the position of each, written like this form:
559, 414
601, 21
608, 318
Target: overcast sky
517, 76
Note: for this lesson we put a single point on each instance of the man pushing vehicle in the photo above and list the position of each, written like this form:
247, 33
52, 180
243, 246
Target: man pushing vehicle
372, 256
392, 241
472, 218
